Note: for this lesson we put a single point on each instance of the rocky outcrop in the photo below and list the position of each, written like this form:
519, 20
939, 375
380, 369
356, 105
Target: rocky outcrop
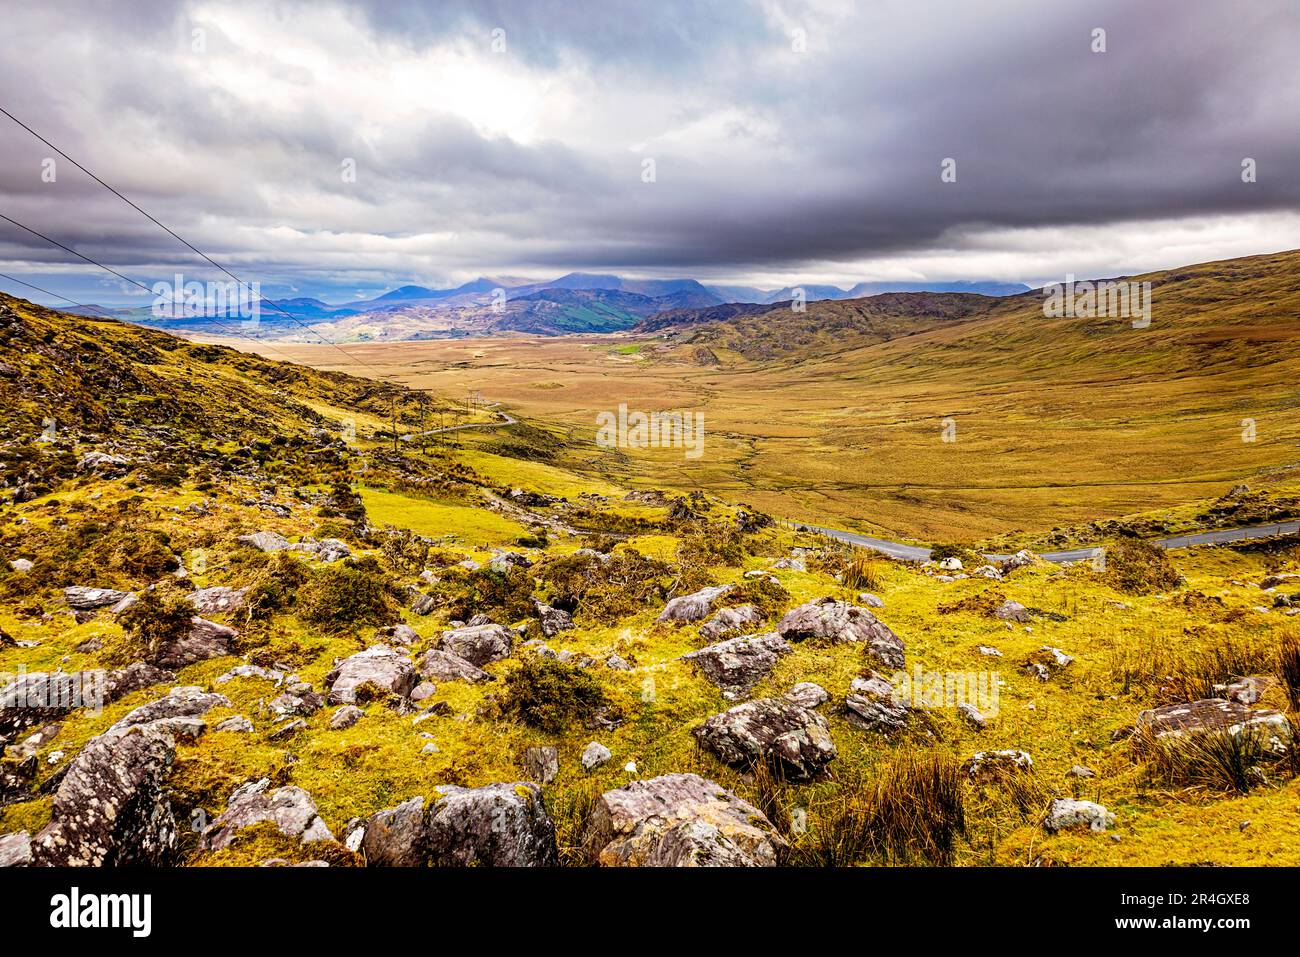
838, 621
794, 740
1216, 715
265, 541
445, 666
1066, 813
40, 696
218, 600
205, 639
110, 809
397, 837
479, 644
873, 705
175, 711
378, 666
82, 598
679, 820
741, 619
500, 825
692, 607
553, 620
736, 665
290, 809
16, 849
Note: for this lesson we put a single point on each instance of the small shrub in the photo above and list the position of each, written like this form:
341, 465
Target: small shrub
1136, 567
275, 587
768, 596
864, 572
347, 594
501, 595
155, 620
1210, 760
552, 695
608, 590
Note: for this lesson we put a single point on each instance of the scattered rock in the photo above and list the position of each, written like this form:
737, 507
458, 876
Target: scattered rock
990, 652
873, 705
345, 717
444, 666
218, 600
870, 600
995, 765
82, 598
251, 671
807, 694
839, 621
397, 837
1013, 611
479, 644
1215, 714
290, 809
1079, 771
973, 716
693, 607
617, 663
101, 462
1021, 559
541, 764
399, 634
594, 754
16, 849
39, 697
1046, 662
679, 820
379, 666
500, 825
21, 565
1067, 813
553, 620
265, 541
731, 621
736, 665
172, 711
795, 740
237, 725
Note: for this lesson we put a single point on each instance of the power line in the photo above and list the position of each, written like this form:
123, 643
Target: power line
94, 262
171, 232
55, 294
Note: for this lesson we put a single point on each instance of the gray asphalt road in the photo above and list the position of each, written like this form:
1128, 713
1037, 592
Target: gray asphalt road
506, 419
919, 554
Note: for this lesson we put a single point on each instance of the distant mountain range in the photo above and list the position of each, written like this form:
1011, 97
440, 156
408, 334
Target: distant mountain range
573, 303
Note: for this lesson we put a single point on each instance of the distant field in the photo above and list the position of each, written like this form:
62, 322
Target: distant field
1057, 421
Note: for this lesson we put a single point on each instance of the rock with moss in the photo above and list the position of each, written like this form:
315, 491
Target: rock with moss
479, 644
773, 731
693, 607
84, 598
290, 809
873, 705
110, 809
985, 766
679, 820
444, 666
265, 541
499, 825
1216, 715
345, 717
40, 696
731, 621
217, 600
553, 620
1069, 814
838, 621
173, 710
15, 849
541, 764
808, 694
203, 640
378, 666
396, 837
737, 664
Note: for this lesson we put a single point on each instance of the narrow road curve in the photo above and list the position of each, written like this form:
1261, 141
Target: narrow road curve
506, 419
917, 553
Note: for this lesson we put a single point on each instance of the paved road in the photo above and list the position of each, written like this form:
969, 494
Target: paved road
917, 553
506, 419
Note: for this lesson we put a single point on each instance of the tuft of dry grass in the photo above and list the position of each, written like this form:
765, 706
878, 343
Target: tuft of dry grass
1208, 760
864, 572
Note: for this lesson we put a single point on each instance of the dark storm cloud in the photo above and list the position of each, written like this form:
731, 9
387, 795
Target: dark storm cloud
767, 159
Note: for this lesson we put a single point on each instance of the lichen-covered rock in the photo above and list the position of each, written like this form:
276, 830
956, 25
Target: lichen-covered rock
795, 740
83, 598
290, 809
985, 766
499, 825
379, 666
679, 820
445, 666
110, 809
400, 634
39, 696
868, 600
397, 837
1216, 715
692, 607
541, 764
1046, 662
265, 541
737, 664
217, 600
1021, 559
741, 619
808, 694
170, 710
553, 620
594, 754
479, 644
345, 717
205, 639
838, 621
873, 705
1064, 813
1013, 611
16, 849
236, 724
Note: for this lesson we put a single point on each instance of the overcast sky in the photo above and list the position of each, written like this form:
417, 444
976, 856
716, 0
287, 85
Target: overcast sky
791, 141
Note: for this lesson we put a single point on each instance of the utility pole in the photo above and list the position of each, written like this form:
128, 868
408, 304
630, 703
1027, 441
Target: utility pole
394, 407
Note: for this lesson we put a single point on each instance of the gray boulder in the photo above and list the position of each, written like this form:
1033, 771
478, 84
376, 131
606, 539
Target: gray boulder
1066, 813
444, 666
1216, 715
479, 644
807, 694
38, 696
290, 809
737, 664
379, 666
205, 640
541, 764
985, 766
679, 820
265, 541
742, 619
838, 622
794, 740
82, 598
16, 849
873, 705
345, 717
594, 755
553, 620
218, 600
500, 825
397, 837
1013, 611
692, 607
174, 709
400, 634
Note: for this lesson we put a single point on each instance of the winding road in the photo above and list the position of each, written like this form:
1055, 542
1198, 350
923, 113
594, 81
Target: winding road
917, 553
